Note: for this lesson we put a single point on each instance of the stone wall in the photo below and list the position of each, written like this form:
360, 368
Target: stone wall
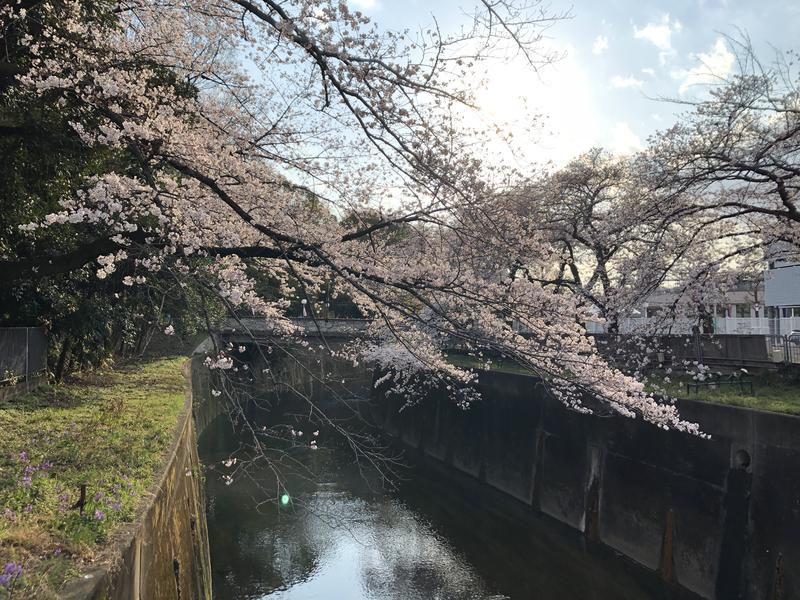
719, 517
163, 554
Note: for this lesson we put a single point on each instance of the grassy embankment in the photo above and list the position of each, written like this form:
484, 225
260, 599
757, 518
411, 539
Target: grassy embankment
106, 430
770, 391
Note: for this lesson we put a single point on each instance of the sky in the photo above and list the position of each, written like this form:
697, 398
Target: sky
620, 59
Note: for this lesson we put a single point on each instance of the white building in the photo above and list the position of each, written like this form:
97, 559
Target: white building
782, 296
769, 309
739, 313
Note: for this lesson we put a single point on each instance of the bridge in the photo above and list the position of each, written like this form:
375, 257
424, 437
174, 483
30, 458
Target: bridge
727, 351
258, 329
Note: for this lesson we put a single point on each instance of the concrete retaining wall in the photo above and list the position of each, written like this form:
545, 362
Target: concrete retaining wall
163, 554
718, 517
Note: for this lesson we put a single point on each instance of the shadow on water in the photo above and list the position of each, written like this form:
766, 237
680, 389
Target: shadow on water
439, 536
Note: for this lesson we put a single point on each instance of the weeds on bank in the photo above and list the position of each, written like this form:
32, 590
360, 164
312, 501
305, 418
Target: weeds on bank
771, 392
104, 432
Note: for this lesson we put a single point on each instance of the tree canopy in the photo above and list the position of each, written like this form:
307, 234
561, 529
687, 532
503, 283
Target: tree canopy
213, 140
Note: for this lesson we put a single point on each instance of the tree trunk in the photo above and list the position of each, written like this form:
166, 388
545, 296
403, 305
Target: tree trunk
62, 359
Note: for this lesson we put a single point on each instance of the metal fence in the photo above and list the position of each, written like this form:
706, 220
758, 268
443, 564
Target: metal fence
23, 354
791, 350
717, 350
721, 326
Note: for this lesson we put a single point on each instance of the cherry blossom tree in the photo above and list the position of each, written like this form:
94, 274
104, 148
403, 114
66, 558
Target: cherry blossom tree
736, 153
232, 114
614, 242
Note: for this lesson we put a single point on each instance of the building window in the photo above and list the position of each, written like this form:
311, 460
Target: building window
742, 311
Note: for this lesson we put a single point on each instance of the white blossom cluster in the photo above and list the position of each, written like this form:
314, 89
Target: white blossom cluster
232, 176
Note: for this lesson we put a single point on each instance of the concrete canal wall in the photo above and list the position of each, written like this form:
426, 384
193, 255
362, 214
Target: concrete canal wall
164, 553
718, 517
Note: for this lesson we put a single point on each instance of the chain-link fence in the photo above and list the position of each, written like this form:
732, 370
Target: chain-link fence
23, 356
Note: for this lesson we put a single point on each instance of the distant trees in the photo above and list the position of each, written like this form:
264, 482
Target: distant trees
734, 157
706, 201
596, 214
614, 241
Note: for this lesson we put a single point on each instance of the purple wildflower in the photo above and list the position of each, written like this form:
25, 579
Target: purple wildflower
9, 514
26, 481
23, 458
99, 515
11, 572
28, 509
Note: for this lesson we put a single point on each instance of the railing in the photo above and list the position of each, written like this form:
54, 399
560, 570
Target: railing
259, 326
743, 325
736, 341
785, 325
23, 356
722, 325
731, 350
656, 325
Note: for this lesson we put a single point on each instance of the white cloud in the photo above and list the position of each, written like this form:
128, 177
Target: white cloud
600, 44
649, 71
713, 67
658, 34
626, 82
623, 140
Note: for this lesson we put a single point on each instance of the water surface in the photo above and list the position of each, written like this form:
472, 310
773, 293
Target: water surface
341, 536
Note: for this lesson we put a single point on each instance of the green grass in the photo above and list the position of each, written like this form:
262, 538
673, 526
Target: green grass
108, 430
770, 392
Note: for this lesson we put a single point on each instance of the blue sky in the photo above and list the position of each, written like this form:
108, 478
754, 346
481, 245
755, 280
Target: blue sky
619, 54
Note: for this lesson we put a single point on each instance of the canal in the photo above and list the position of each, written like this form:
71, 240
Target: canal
314, 521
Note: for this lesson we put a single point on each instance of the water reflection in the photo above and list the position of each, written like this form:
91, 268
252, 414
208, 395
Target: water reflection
342, 539
337, 539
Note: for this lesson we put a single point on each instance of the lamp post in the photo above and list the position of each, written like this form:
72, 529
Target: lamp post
757, 309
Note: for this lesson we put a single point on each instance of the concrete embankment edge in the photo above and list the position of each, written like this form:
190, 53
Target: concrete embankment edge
164, 552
